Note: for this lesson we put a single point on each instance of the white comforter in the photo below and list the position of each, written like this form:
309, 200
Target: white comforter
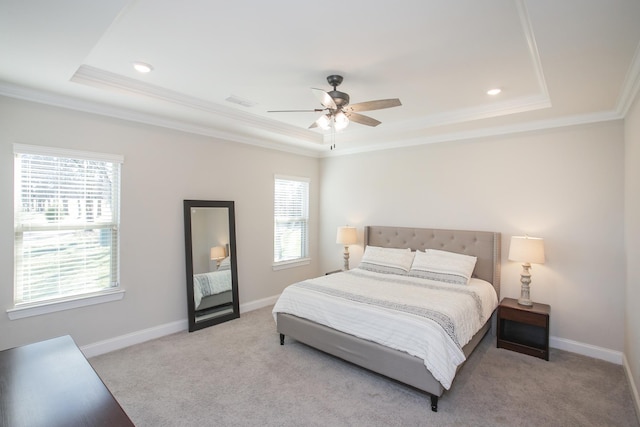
427, 319
211, 283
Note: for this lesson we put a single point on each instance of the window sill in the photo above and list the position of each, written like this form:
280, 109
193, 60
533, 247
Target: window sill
46, 307
291, 264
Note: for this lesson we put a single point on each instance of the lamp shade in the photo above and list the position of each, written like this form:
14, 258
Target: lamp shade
527, 249
346, 236
217, 252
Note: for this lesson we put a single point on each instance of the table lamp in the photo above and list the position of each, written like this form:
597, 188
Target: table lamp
526, 250
346, 236
217, 254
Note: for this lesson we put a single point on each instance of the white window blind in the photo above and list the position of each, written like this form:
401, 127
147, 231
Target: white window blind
291, 218
66, 221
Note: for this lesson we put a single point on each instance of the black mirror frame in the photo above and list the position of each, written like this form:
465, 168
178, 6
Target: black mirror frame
188, 205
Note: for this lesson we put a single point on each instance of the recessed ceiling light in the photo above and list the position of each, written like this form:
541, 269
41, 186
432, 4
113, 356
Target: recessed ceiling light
142, 67
494, 91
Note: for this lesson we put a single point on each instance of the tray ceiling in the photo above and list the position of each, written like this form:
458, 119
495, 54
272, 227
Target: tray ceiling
557, 63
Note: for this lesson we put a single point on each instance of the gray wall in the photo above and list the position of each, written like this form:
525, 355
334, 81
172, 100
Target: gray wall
565, 185
632, 245
161, 168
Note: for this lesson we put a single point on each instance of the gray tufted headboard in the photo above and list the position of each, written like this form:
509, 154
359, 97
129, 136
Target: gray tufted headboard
484, 245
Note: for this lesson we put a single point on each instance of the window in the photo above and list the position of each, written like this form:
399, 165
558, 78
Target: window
67, 224
291, 219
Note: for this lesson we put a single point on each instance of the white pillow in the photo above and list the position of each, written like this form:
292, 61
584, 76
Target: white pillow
225, 264
443, 266
386, 260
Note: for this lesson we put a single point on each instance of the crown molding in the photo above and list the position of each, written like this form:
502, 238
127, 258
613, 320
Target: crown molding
527, 29
482, 133
42, 97
310, 150
96, 77
631, 85
102, 79
486, 111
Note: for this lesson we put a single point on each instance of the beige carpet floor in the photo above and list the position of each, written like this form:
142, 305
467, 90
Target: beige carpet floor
237, 374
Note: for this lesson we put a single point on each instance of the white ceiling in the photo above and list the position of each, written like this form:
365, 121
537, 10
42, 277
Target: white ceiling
557, 63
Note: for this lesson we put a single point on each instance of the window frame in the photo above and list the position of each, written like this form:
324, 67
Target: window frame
305, 258
90, 297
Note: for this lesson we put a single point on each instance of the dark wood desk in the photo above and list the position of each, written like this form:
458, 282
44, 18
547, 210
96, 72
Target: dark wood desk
50, 383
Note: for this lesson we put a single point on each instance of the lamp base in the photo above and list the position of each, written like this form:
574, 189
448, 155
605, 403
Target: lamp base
525, 302
346, 258
525, 280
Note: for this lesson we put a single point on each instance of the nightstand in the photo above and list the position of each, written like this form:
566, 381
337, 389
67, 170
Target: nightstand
524, 329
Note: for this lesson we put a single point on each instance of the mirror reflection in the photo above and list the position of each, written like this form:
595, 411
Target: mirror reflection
212, 293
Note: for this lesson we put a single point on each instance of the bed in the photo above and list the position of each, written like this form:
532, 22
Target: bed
385, 357
213, 289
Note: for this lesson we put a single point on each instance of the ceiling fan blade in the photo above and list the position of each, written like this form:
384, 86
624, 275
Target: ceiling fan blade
374, 105
325, 99
362, 119
296, 111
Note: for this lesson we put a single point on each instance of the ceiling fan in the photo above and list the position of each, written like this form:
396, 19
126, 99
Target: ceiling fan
339, 112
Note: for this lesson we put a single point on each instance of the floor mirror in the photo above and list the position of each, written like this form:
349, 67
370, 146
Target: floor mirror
211, 262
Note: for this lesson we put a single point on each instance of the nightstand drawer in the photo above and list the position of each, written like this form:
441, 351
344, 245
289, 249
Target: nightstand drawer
524, 329
530, 318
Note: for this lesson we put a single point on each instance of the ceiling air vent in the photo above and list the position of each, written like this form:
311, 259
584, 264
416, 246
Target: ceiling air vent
240, 101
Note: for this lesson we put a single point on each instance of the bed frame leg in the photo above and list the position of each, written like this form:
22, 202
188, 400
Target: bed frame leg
434, 403
281, 339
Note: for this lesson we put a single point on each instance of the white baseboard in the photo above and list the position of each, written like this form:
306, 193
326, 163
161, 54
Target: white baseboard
632, 386
586, 350
254, 305
117, 343
138, 337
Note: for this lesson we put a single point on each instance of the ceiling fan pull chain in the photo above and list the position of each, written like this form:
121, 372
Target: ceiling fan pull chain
333, 135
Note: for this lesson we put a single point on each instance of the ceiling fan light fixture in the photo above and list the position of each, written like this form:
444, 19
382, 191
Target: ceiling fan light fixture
338, 113
341, 121
494, 91
324, 122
